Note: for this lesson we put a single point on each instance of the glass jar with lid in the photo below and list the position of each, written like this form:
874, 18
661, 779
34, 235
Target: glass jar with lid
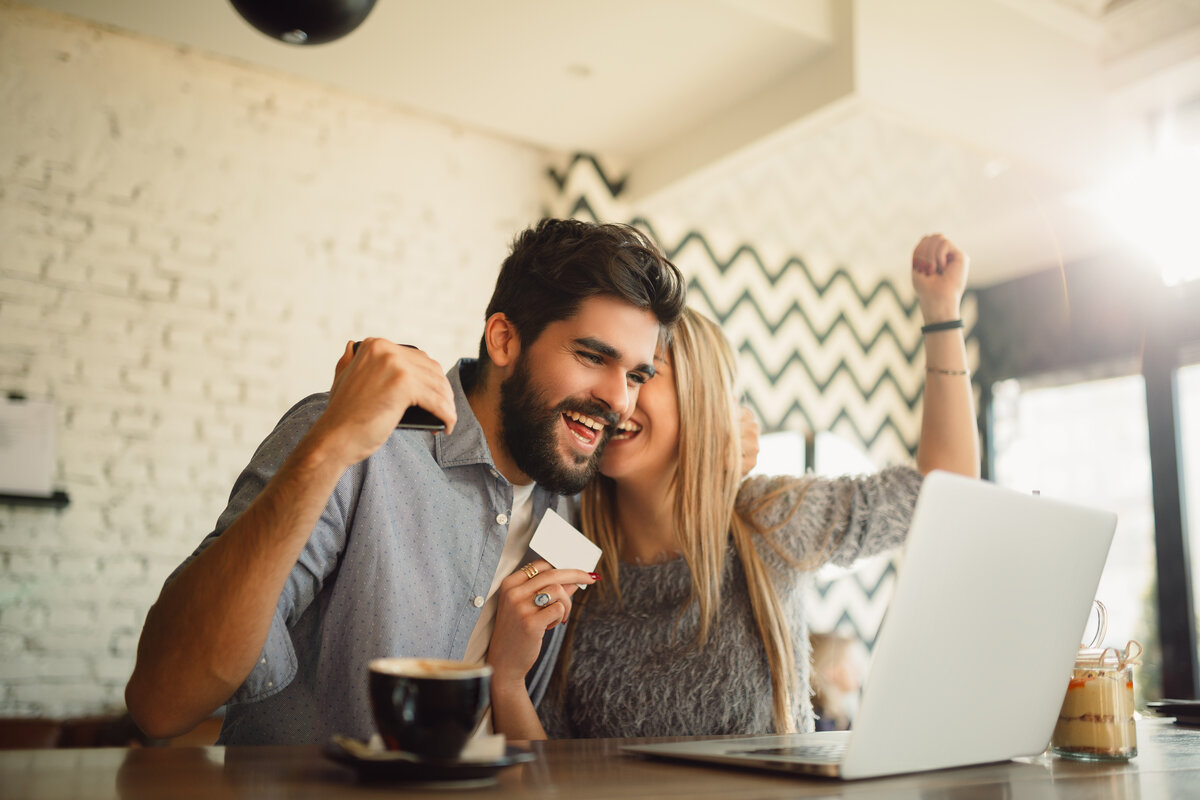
1096, 722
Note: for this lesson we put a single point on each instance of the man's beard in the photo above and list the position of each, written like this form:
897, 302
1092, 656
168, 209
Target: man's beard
528, 428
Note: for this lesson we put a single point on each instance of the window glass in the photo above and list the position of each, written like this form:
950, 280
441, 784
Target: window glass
780, 453
836, 455
1087, 443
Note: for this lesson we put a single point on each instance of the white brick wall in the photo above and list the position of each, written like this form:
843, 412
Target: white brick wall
185, 246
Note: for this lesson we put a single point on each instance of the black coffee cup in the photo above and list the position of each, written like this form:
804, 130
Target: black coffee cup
428, 706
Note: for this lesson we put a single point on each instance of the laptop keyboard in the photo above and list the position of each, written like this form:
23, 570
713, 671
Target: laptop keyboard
830, 753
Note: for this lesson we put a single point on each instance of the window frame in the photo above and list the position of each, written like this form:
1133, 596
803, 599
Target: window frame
1085, 317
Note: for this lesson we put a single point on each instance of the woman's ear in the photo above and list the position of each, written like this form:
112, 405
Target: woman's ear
503, 343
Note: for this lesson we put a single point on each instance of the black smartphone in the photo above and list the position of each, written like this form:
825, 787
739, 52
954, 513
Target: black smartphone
419, 419
416, 418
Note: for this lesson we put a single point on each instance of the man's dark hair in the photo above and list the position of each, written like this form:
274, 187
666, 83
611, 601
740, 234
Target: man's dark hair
557, 264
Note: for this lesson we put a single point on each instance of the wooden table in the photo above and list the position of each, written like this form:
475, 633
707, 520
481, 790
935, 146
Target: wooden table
1168, 765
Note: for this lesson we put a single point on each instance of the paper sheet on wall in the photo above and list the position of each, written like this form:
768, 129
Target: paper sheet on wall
27, 447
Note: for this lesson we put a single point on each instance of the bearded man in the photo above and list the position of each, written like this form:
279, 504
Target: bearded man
347, 539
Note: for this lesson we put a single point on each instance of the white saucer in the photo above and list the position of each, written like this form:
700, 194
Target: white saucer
399, 766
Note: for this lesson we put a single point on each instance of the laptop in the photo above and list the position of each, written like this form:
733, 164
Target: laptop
976, 648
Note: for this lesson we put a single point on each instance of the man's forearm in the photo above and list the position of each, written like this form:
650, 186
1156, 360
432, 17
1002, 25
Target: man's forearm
203, 635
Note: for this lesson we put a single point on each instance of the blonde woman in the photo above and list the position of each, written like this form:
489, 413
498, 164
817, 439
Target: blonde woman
699, 627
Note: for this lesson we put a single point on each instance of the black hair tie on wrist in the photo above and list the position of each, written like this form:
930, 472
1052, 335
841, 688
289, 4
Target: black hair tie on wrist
948, 325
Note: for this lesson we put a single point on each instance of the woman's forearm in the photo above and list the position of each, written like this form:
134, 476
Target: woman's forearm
513, 713
949, 431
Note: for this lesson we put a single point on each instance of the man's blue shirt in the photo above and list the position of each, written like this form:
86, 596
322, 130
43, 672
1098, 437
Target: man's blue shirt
398, 565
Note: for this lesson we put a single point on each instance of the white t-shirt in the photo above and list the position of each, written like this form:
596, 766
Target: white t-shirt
520, 531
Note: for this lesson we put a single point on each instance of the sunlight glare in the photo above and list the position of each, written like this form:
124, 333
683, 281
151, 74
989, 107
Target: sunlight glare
1155, 205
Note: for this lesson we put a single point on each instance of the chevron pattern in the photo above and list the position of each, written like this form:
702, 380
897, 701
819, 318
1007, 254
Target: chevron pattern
853, 603
819, 349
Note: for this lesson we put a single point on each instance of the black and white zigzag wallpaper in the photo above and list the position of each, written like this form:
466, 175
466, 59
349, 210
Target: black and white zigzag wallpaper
819, 351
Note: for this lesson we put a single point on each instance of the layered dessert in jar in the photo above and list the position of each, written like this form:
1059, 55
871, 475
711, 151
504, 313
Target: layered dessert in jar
1096, 719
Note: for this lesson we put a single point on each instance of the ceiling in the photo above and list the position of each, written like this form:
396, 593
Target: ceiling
988, 118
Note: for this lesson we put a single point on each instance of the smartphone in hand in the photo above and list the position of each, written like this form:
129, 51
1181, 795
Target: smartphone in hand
415, 417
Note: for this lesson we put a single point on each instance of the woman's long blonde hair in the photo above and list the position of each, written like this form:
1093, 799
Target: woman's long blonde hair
706, 482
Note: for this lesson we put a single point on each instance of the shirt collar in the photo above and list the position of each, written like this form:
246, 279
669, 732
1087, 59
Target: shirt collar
467, 443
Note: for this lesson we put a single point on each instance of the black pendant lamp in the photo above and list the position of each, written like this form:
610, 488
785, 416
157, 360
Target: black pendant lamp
304, 21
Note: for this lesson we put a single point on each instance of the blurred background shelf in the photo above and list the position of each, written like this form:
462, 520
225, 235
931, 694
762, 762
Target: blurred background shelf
57, 500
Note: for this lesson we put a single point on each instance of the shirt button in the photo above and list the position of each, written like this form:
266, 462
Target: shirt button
502, 519
263, 661
478, 601
270, 684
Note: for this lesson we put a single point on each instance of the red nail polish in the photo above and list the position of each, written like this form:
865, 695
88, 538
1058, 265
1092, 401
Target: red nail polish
595, 576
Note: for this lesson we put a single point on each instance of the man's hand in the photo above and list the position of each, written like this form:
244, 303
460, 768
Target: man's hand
939, 276
371, 390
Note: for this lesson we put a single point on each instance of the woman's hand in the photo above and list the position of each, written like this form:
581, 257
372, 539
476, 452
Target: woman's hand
749, 433
939, 275
521, 623
517, 639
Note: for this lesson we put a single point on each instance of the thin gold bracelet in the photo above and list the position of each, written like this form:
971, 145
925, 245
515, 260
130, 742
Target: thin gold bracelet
940, 371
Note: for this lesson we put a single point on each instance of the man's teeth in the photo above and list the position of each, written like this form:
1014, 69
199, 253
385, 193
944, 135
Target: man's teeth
591, 422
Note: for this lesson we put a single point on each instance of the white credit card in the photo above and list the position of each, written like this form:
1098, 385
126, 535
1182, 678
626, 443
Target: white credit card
557, 541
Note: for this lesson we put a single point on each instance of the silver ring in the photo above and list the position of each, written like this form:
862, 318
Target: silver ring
541, 599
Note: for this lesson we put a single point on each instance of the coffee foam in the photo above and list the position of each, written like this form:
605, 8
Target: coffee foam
439, 668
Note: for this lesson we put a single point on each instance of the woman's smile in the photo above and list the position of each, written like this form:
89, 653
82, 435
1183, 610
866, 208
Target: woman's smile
626, 430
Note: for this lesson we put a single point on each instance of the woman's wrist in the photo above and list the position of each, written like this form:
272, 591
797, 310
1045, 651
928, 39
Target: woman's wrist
938, 327
502, 686
935, 312
508, 697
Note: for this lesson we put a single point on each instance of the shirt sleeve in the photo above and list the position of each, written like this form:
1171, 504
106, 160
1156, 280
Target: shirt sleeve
277, 664
814, 520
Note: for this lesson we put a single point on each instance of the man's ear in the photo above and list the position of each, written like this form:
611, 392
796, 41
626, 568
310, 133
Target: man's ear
503, 343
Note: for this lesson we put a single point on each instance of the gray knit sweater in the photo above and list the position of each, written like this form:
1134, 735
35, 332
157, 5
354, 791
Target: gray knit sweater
635, 670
